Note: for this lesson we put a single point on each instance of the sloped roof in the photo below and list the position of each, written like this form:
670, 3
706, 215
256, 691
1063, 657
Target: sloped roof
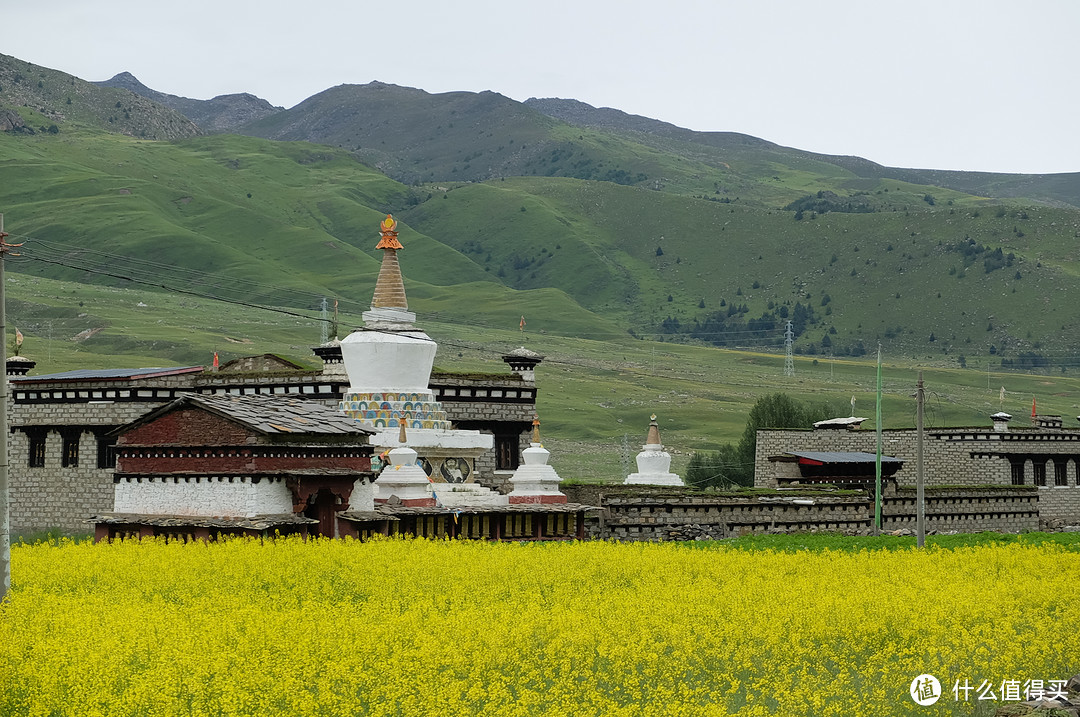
269, 362
842, 457
109, 374
266, 414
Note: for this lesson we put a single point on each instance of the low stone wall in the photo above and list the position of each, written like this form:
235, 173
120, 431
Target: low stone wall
967, 510
655, 513
649, 513
1060, 503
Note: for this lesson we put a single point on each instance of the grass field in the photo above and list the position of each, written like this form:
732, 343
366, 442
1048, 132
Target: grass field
831, 626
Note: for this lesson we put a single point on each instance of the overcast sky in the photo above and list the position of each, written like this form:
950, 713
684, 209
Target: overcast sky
965, 84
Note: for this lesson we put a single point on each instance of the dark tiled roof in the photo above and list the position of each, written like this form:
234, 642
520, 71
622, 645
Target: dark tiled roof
257, 522
842, 457
270, 414
109, 374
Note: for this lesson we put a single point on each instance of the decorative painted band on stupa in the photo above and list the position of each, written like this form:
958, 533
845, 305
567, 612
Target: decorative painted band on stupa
389, 410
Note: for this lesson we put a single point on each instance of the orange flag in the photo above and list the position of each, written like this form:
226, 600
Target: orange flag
1033, 408
522, 324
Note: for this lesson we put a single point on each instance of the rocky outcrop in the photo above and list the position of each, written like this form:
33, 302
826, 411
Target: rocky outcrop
11, 121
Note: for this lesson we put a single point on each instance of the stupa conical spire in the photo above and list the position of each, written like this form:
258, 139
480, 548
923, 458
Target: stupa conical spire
389, 287
653, 439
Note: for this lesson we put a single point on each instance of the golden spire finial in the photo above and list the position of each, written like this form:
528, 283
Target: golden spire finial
536, 429
401, 433
388, 232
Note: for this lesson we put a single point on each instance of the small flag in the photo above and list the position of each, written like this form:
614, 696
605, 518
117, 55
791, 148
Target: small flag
215, 360
522, 324
1033, 408
18, 337
1002, 396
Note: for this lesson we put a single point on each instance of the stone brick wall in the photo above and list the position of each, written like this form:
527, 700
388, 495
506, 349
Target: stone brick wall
52, 496
1060, 503
655, 513
650, 513
966, 510
952, 456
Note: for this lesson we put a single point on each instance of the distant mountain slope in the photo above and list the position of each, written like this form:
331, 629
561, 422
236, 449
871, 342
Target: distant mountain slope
45, 98
585, 115
413, 135
1054, 188
220, 114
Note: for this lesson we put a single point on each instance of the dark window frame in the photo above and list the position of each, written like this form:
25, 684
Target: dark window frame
37, 441
1038, 471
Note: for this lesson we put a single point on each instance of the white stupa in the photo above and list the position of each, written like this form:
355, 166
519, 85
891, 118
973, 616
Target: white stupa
403, 478
535, 481
388, 363
653, 463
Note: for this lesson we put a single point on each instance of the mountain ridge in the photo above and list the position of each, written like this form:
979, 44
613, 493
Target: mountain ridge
218, 114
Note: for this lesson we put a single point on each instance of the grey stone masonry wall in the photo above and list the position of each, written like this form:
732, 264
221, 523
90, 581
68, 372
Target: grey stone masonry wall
952, 457
651, 513
966, 510
1060, 503
484, 397
657, 513
52, 496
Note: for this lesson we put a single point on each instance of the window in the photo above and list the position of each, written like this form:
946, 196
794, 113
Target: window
1039, 469
37, 448
106, 452
69, 455
1061, 473
506, 452
1017, 472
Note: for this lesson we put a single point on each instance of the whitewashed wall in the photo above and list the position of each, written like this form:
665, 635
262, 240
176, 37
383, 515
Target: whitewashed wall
237, 497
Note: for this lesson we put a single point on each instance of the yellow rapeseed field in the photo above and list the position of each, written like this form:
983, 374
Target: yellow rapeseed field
414, 627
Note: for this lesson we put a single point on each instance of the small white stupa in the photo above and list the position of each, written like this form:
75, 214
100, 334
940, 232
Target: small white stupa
535, 481
653, 463
403, 478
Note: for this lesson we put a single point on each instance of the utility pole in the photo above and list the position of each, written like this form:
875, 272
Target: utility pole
5, 496
920, 493
625, 454
789, 362
877, 458
322, 324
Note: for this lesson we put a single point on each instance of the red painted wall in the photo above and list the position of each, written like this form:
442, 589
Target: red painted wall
246, 460
165, 440
187, 426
